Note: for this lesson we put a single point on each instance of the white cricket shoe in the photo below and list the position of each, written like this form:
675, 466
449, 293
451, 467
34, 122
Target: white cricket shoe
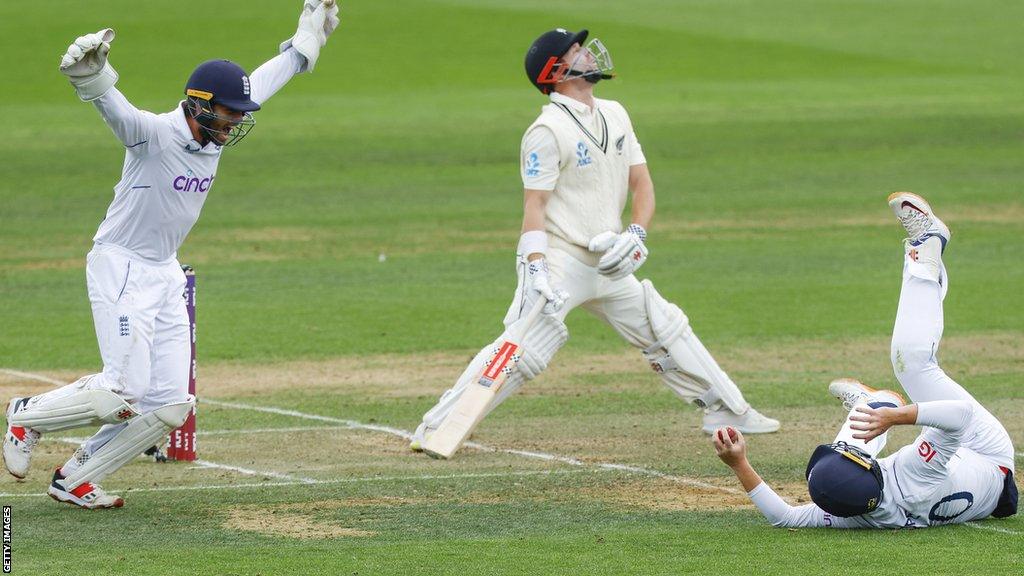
18, 443
918, 219
750, 422
852, 392
87, 495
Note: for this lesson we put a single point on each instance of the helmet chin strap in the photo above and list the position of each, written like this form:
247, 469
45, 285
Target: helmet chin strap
592, 76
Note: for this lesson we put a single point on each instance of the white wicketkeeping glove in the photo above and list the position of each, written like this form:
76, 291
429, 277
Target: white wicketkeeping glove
85, 64
622, 253
317, 21
538, 285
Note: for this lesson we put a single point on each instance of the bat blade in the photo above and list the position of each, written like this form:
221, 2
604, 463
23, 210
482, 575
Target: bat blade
473, 403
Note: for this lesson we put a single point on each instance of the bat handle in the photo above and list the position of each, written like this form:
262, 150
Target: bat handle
531, 318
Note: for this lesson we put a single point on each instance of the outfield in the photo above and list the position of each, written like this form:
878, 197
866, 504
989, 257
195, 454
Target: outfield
773, 130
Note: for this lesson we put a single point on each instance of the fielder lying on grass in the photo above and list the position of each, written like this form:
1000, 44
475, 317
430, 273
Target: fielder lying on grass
961, 466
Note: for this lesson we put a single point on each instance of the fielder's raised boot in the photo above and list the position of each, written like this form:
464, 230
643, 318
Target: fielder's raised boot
86, 495
852, 392
749, 422
18, 442
917, 218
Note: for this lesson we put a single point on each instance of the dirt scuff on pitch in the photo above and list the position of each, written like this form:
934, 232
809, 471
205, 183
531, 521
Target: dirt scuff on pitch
299, 521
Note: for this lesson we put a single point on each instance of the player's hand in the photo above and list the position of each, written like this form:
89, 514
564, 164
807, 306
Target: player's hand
730, 446
87, 55
870, 423
538, 285
622, 254
86, 66
317, 21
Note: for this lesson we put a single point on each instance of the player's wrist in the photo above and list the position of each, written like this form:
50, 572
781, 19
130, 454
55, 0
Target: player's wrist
638, 231
533, 244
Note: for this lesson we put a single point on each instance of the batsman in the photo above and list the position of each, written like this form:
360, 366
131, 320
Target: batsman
579, 161
134, 281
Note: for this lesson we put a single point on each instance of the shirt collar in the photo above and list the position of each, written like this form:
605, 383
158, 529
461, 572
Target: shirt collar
572, 103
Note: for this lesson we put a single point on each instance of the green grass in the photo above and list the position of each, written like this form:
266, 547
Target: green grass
773, 131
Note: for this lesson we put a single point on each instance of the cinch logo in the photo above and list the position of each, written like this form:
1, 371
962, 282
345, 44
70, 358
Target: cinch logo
533, 165
189, 183
583, 155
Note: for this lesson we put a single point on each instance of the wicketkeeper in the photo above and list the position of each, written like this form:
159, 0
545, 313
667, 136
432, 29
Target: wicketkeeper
134, 280
579, 161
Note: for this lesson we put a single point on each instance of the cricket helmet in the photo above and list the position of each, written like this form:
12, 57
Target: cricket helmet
844, 480
544, 67
221, 82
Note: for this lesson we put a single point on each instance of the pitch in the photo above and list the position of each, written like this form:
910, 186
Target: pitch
360, 250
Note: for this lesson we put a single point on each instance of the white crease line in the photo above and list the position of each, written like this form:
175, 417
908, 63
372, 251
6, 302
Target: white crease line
357, 480
992, 528
208, 464
352, 424
537, 455
248, 472
269, 430
676, 479
36, 377
348, 423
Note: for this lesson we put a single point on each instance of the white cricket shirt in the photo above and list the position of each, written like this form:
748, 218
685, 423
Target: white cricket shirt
167, 175
933, 481
583, 156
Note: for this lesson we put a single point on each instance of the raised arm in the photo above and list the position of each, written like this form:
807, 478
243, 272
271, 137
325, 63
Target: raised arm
317, 21
87, 68
731, 447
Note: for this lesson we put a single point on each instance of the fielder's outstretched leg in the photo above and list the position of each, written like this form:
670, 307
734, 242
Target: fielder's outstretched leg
920, 322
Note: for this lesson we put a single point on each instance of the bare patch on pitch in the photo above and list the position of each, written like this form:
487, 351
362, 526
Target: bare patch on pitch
290, 521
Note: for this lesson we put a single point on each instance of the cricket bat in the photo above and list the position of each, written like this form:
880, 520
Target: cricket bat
477, 396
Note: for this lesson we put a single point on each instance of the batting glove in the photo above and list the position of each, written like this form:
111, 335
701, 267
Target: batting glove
85, 64
622, 254
540, 287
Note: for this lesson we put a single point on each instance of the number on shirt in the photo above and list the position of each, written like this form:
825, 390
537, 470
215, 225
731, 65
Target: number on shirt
926, 451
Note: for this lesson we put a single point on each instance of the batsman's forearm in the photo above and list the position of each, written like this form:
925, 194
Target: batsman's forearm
643, 201
534, 204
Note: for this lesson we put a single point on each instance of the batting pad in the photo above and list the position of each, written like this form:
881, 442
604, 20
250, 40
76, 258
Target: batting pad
681, 359
140, 433
72, 406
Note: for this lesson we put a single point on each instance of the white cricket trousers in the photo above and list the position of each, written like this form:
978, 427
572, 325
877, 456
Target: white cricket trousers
914, 354
142, 328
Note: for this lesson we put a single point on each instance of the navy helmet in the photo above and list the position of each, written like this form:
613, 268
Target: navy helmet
543, 66
844, 480
226, 83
